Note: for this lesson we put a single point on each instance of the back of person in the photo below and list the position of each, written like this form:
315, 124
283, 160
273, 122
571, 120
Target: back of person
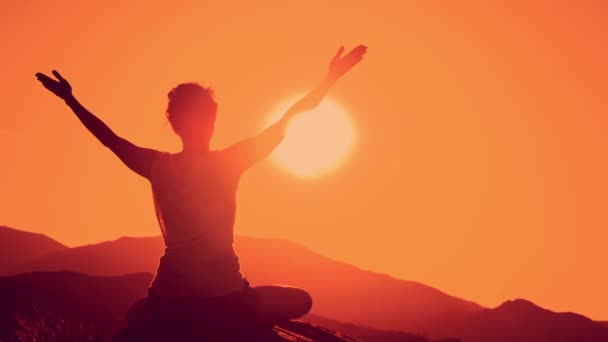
195, 203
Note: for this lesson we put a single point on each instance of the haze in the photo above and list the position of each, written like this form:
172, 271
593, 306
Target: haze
480, 160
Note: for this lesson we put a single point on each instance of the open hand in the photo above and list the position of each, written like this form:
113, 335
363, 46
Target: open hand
60, 88
341, 65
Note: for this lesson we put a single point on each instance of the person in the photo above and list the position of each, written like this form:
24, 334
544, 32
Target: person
194, 193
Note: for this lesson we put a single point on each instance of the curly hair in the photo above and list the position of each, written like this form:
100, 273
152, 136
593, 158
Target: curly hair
188, 99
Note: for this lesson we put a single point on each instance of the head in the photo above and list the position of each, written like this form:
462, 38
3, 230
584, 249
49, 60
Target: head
192, 111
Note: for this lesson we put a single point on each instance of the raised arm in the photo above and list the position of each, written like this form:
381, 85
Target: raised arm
136, 158
249, 151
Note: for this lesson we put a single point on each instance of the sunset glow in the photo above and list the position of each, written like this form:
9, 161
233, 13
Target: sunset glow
468, 151
317, 141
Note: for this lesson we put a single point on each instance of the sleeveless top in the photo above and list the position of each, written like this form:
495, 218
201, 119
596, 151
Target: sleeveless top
195, 204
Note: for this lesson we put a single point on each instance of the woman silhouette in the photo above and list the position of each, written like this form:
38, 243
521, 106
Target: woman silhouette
194, 195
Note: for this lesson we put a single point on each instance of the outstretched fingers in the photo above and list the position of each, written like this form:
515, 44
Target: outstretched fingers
58, 87
362, 48
339, 53
356, 54
43, 78
58, 75
359, 51
46, 81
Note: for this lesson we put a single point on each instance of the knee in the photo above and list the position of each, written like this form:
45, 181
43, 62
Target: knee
306, 302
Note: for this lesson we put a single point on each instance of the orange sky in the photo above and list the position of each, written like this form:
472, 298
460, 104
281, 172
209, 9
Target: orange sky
480, 163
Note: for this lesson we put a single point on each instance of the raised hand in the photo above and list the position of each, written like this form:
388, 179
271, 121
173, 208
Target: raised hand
60, 88
341, 65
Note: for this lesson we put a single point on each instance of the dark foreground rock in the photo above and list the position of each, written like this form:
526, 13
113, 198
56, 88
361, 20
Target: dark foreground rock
295, 331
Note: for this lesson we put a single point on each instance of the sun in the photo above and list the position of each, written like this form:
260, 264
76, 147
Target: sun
316, 142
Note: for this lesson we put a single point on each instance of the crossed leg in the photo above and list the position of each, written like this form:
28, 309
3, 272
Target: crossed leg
280, 303
273, 304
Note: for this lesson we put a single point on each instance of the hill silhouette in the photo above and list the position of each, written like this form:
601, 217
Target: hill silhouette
99, 303
391, 304
523, 321
354, 300
18, 247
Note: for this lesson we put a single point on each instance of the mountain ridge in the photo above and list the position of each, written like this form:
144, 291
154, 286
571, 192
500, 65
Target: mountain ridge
340, 290
18, 246
105, 300
279, 261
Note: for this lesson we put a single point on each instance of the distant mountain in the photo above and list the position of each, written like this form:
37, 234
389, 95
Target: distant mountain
339, 290
522, 321
513, 321
123, 256
18, 247
349, 294
99, 303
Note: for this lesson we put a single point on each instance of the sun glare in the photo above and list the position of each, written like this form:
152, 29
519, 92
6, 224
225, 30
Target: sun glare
316, 141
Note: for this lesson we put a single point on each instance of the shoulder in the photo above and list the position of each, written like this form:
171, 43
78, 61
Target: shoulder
160, 158
229, 158
162, 155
